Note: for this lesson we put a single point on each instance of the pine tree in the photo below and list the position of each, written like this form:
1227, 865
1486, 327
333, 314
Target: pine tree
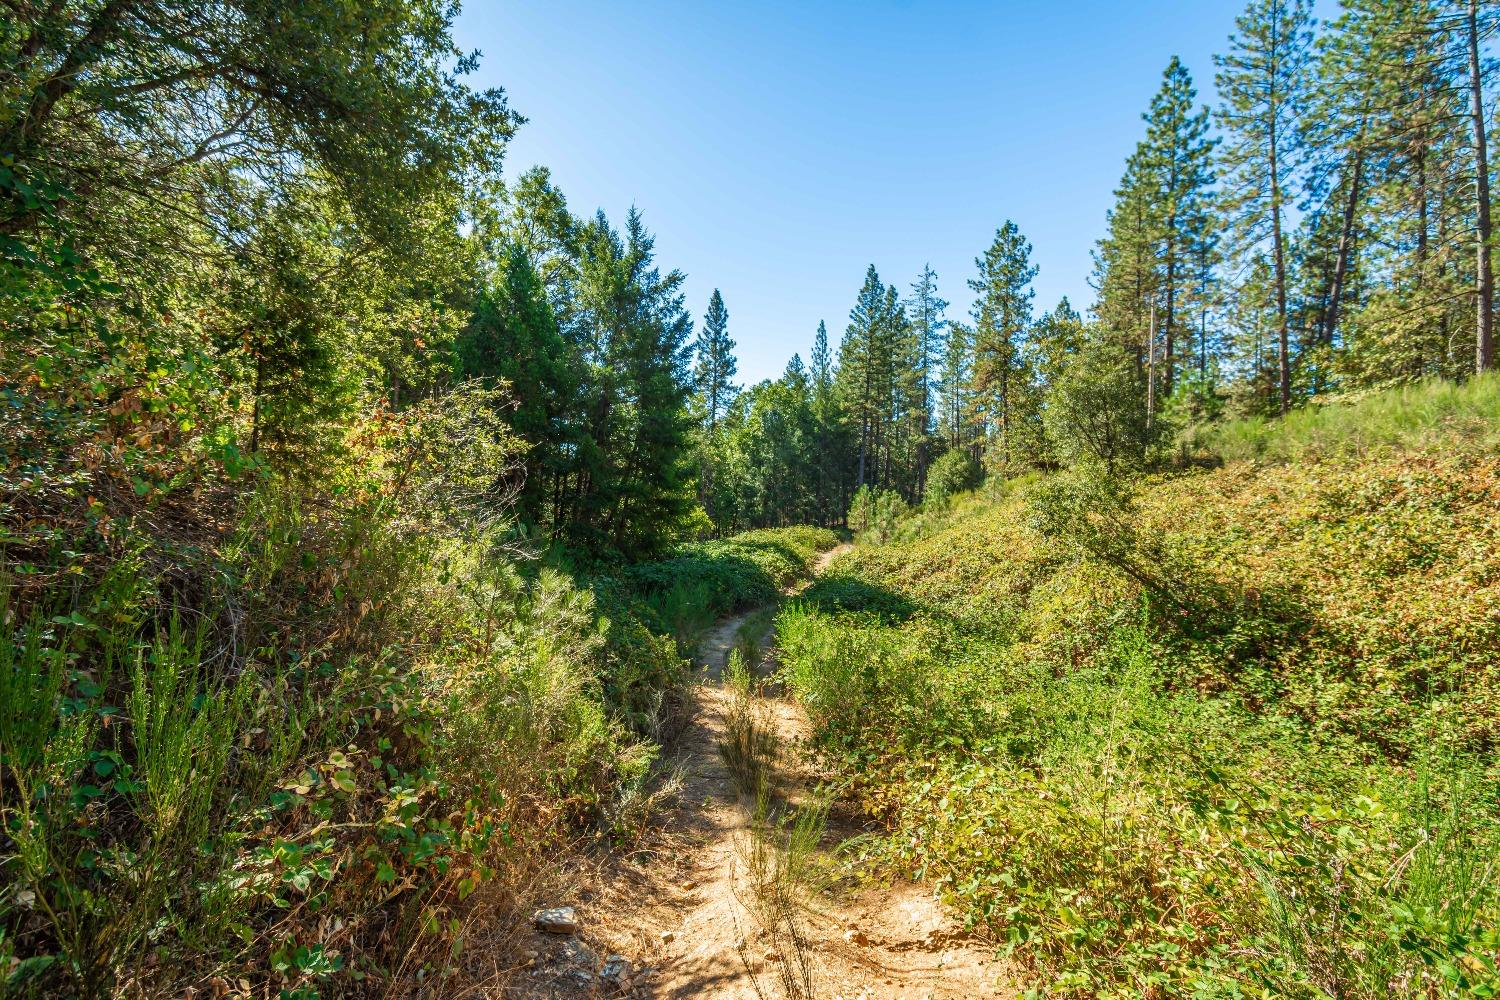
863, 360
631, 487
1125, 264
830, 442
1002, 321
926, 310
1263, 82
1484, 292
1178, 161
513, 337
954, 387
716, 364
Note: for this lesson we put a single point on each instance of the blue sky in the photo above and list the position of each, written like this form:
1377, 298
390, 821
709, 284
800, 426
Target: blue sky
776, 149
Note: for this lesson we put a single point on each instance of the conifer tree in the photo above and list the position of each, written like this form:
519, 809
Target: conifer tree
714, 368
954, 387
1002, 321
716, 364
1125, 264
513, 337
1263, 83
863, 359
1178, 161
926, 310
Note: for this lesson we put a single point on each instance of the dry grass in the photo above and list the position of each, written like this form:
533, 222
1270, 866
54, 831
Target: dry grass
749, 746
779, 855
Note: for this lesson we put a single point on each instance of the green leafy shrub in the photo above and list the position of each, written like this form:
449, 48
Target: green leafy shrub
303, 758
1095, 411
702, 581
953, 472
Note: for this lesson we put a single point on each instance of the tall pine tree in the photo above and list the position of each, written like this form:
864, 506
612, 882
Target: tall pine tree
1263, 83
1001, 380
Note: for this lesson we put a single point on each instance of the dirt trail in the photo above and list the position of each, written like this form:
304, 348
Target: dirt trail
671, 921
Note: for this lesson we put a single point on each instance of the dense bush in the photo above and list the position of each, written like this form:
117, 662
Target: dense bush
1246, 753
301, 751
1095, 410
874, 514
953, 472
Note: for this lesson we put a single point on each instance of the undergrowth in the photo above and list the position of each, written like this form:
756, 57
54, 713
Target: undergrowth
1225, 733
700, 582
263, 737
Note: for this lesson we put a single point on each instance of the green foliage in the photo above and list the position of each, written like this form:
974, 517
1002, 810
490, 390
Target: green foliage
1423, 415
1158, 756
953, 472
702, 581
1094, 411
374, 716
874, 514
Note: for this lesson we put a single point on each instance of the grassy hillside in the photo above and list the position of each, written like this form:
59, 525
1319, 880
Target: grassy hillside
1226, 732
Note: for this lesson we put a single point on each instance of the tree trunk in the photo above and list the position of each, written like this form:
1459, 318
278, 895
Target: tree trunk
1484, 342
1283, 341
1346, 244
1278, 251
1151, 370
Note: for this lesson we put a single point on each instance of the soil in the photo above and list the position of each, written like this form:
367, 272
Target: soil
668, 919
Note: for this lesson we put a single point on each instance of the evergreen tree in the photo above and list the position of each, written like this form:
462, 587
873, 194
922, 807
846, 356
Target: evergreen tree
513, 336
1125, 264
864, 359
1001, 380
926, 309
716, 364
1263, 82
1178, 161
954, 387
631, 485
831, 462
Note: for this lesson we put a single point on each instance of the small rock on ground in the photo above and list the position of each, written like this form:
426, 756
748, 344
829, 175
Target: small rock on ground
557, 920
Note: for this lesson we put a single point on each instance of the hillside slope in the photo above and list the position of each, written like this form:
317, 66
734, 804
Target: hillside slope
1227, 732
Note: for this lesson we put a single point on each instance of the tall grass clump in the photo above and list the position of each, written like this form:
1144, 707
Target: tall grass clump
749, 746
780, 858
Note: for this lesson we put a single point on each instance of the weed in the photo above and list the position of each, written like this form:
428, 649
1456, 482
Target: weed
749, 746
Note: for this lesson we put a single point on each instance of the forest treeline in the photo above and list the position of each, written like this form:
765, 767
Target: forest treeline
258, 233
1322, 227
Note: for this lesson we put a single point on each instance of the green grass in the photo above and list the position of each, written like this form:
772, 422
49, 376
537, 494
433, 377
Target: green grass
700, 582
1417, 416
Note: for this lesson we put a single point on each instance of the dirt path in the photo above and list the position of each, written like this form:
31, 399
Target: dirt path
672, 920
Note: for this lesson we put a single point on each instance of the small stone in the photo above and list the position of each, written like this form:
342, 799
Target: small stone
616, 967
689, 885
556, 920
667, 937
855, 936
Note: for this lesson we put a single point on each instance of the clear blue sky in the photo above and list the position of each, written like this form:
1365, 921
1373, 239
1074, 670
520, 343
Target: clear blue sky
776, 149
